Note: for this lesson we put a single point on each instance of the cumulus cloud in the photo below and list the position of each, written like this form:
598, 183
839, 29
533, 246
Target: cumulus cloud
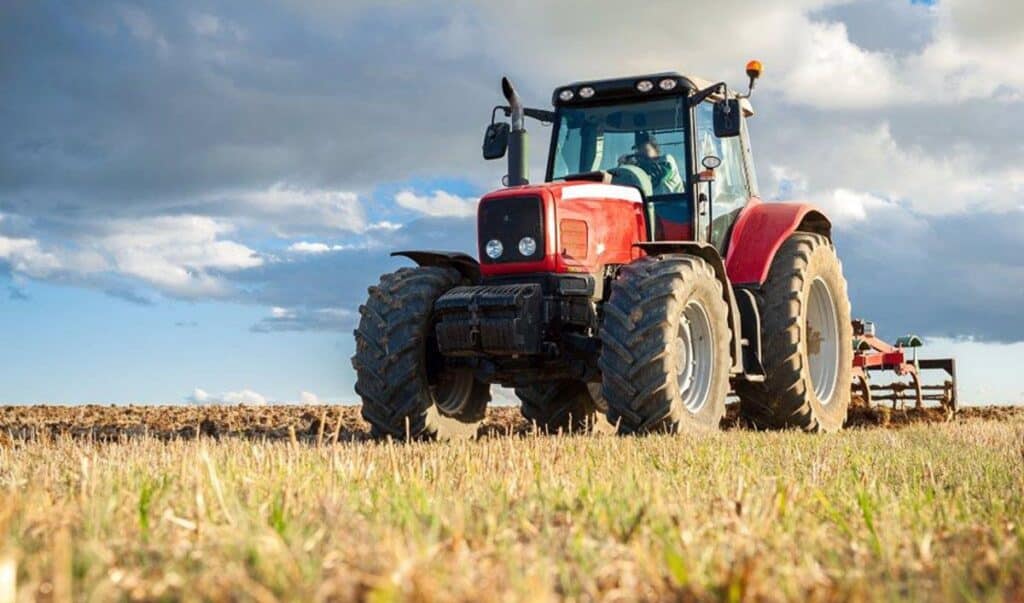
174, 253
24, 256
858, 157
836, 73
291, 210
309, 398
307, 247
177, 255
307, 319
437, 204
245, 397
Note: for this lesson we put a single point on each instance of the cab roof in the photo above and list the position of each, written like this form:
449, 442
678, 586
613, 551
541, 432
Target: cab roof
626, 88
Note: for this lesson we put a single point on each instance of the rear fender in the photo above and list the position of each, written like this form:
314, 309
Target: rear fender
709, 254
467, 265
759, 232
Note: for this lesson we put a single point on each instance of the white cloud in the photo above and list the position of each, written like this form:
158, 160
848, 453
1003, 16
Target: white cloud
175, 253
833, 72
306, 319
872, 160
845, 206
291, 209
25, 256
440, 203
973, 51
306, 247
179, 255
384, 226
246, 397
316, 248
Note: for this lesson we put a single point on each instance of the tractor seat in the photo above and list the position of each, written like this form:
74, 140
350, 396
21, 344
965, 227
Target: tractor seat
673, 218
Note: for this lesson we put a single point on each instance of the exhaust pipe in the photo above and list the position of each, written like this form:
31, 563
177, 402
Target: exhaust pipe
518, 170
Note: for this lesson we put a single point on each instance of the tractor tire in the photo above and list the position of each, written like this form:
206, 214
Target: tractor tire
807, 341
566, 406
665, 346
400, 376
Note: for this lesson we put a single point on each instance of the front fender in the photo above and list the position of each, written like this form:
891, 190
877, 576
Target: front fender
759, 232
467, 265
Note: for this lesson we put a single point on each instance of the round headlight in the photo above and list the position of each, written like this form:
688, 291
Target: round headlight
586, 92
644, 86
494, 249
566, 95
527, 246
667, 84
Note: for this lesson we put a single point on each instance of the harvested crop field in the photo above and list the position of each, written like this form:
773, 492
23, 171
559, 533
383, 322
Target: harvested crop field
341, 423
101, 503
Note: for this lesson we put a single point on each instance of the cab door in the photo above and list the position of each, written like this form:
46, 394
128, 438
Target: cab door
732, 187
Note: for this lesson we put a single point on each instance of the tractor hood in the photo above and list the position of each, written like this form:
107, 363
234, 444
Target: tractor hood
574, 226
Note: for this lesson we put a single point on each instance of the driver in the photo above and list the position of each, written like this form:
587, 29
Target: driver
662, 169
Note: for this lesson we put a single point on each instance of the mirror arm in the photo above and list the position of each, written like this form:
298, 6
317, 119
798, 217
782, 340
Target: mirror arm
540, 115
703, 95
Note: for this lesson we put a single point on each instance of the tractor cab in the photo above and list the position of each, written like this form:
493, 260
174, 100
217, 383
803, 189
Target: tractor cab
680, 141
655, 133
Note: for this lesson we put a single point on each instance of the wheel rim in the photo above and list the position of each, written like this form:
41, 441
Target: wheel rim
695, 357
822, 331
452, 391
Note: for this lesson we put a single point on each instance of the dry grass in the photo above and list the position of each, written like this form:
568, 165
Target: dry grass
927, 512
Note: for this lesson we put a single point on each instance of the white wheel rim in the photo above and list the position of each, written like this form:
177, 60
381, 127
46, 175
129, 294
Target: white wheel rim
695, 357
822, 340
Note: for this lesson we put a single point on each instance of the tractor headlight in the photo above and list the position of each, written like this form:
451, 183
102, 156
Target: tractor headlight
586, 92
494, 249
645, 85
566, 95
527, 246
667, 84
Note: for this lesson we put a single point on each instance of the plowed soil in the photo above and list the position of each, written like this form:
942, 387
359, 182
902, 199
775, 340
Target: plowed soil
338, 423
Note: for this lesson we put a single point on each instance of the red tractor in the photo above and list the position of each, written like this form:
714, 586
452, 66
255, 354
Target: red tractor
644, 279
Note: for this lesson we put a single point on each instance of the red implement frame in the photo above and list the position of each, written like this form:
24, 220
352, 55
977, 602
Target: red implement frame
871, 354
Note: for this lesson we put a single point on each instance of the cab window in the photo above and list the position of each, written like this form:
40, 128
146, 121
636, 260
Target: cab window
730, 190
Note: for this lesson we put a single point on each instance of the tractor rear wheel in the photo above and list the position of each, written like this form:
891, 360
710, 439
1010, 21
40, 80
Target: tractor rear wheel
406, 390
564, 406
665, 346
807, 341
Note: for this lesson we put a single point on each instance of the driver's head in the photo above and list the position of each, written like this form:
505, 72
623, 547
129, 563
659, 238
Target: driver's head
647, 145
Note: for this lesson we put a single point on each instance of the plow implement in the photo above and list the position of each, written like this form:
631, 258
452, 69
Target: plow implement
872, 355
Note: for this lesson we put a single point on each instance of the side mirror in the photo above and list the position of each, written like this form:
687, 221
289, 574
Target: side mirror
496, 140
727, 116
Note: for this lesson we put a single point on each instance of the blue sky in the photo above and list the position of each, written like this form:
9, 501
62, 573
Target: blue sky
194, 196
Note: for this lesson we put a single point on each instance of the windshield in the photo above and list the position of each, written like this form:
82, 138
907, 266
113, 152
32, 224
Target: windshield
641, 144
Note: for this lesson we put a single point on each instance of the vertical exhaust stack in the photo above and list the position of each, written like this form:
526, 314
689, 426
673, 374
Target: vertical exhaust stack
518, 172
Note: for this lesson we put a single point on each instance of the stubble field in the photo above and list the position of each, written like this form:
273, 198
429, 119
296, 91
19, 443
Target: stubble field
102, 503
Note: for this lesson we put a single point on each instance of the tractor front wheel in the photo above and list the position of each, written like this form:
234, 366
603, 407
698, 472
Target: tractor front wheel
406, 390
665, 346
807, 341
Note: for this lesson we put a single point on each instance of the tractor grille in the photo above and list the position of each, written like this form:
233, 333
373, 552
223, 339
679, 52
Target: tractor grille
508, 220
